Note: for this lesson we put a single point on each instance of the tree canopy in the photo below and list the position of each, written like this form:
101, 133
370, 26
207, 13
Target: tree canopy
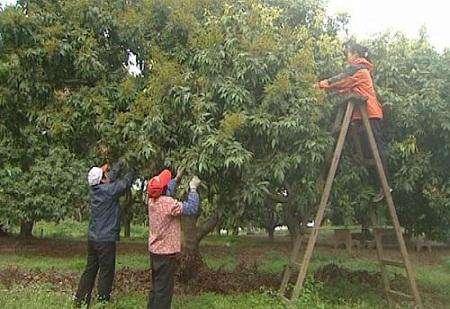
224, 90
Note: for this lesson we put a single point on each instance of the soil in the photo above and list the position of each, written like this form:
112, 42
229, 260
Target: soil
63, 248
59, 248
128, 280
242, 279
246, 277
332, 274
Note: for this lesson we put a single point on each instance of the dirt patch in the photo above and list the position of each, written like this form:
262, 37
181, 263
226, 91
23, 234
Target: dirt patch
130, 280
243, 279
15, 276
60, 248
253, 249
333, 274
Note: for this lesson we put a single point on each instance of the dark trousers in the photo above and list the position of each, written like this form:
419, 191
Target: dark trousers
101, 256
381, 144
163, 270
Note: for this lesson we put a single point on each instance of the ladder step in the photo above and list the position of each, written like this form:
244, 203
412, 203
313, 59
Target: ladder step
285, 299
369, 162
400, 294
392, 263
383, 227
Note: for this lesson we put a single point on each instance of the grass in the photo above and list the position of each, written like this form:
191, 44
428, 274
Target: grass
43, 297
73, 230
72, 264
228, 263
220, 252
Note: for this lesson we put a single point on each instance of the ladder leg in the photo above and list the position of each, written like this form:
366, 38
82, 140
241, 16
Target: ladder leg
292, 260
380, 255
323, 202
392, 211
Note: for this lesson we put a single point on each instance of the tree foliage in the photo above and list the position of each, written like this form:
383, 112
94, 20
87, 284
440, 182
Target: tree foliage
225, 90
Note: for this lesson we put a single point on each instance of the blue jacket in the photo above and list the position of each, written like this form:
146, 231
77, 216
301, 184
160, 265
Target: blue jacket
104, 224
190, 206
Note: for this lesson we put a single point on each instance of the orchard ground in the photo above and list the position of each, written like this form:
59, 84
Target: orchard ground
243, 272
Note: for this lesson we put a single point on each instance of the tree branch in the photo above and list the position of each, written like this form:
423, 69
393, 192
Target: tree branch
209, 225
278, 197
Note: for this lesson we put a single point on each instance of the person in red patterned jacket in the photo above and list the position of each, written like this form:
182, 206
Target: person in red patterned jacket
164, 241
357, 80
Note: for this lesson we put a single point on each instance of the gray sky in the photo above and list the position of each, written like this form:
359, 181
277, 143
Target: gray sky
373, 16
369, 17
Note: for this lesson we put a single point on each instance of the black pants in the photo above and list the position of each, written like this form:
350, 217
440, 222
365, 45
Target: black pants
101, 256
163, 270
381, 144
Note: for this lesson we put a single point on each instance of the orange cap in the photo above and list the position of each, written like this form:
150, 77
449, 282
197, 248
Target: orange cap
157, 184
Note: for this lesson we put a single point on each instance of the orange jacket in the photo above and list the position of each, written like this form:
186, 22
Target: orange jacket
357, 80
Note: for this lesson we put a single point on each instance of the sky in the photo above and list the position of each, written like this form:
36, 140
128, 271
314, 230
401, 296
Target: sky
369, 17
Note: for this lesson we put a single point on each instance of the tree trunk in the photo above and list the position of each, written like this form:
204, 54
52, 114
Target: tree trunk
271, 222
26, 228
218, 228
3, 231
127, 229
271, 230
128, 213
236, 231
292, 223
191, 260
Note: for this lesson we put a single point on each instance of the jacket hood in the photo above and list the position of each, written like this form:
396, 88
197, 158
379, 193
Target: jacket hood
362, 61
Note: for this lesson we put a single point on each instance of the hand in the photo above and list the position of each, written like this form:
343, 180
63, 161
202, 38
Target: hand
121, 161
323, 84
180, 172
194, 183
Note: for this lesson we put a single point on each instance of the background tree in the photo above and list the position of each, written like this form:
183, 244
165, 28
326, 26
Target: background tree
225, 90
413, 78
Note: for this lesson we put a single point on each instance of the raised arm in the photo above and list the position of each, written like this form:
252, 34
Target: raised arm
190, 206
345, 80
171, 187
116, 169
119, 186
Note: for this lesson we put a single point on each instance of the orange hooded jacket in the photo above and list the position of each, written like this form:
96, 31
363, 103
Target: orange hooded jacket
358, 81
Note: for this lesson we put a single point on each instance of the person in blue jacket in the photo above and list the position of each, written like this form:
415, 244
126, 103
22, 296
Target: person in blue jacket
104, 230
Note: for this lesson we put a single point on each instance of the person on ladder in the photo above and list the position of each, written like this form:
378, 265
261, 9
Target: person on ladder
356, 80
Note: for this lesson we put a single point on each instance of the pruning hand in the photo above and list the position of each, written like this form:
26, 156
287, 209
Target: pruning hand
322, 84
180, 172
194, 183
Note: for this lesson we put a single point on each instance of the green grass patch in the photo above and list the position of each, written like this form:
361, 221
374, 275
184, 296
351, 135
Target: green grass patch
222, 241
228, 262
272, 262
33, 262
68, 229
70, 264
33, 297
43, 297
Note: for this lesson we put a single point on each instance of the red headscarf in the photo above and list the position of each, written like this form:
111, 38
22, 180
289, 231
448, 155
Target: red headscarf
157, 184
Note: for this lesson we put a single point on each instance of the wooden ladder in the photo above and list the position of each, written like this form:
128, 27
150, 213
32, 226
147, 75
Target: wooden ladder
383, 262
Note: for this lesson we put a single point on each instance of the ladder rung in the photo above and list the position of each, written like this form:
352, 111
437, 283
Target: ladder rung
296, 264
392, 263
382, 228
369, 162
401, 294
285, 299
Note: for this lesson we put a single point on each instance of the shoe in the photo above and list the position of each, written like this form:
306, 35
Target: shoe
380, 196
